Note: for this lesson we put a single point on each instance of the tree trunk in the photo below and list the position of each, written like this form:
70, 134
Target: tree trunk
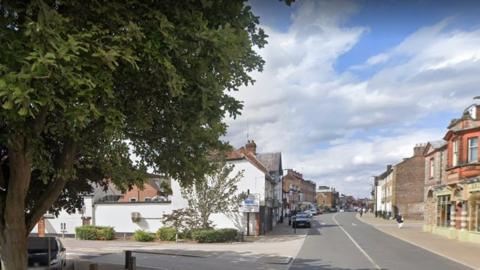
14, 247
13, 231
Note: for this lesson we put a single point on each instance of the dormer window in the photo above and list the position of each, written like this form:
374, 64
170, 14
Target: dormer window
472, 150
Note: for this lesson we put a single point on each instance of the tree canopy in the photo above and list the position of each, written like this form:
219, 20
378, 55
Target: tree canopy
84, 85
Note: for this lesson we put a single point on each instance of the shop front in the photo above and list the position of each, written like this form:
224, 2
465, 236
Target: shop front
458, 211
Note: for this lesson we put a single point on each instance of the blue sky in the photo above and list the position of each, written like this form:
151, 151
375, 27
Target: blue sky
351, 86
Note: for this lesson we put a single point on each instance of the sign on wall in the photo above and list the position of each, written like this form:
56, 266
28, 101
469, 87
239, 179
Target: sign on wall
251, 204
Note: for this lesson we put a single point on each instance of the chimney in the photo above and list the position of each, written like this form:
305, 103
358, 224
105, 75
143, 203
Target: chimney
389, 167
251, 147
418, 149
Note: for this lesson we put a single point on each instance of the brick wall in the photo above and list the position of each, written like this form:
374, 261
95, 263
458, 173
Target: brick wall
409, 187
140, 195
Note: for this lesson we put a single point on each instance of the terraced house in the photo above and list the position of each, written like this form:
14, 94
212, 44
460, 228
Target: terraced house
458, 196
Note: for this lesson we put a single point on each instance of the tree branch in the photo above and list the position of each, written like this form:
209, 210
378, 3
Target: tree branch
63, 164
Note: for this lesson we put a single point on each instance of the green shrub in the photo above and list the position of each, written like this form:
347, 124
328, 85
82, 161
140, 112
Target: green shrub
214, 236
143, 236
166, 234
105, 233
89, 232
86, 232
228, 235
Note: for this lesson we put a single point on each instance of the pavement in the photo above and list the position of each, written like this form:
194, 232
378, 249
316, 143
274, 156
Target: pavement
461, 252
340, 241
273, 251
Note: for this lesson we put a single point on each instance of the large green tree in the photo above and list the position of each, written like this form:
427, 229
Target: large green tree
86, 84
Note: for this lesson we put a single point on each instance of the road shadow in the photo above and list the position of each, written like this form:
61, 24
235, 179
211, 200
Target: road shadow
176, 259
308, 264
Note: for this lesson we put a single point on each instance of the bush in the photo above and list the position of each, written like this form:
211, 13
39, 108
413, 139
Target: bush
105, 233
89, 232
228, 235
143, 236
166, 234
214, 236
86, 232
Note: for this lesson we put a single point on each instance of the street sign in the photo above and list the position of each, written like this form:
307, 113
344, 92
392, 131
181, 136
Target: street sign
251, 204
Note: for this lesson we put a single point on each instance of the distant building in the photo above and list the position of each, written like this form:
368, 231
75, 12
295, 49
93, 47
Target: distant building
326, 197
400, 188
297, 190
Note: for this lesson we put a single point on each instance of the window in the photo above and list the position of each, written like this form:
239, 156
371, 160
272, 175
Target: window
432, 167
443, 211
477, 212
473, 149
133, 199
148, 199
455, 153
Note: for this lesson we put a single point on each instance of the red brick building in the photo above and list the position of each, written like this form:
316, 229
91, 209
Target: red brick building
458, 196
155, 188
297, 190
409, 183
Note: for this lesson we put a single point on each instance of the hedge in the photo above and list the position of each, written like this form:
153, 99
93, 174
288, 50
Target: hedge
89, 232
166, 234
214, 236
143, 236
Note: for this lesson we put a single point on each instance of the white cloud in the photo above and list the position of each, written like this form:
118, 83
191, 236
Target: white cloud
301, 106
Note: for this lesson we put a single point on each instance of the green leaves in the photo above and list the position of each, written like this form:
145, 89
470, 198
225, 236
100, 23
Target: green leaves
148, 79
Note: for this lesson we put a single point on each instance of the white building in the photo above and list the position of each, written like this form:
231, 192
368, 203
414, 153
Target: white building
104, 208
383, 191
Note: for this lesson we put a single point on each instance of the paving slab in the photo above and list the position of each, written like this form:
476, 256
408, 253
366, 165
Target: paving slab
461, 252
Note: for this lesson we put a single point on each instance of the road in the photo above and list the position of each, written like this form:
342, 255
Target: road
335, 242
340, 242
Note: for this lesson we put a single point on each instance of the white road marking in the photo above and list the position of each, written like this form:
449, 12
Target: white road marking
356, 244
323, 223
353, 224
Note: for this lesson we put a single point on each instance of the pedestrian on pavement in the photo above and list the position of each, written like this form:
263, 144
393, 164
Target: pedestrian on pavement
399, 219
361, 212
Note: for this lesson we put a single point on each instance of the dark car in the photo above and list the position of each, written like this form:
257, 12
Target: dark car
302, 220
39, 249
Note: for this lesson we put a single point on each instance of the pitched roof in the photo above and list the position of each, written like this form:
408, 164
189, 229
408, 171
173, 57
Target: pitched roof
243, 153
438, 144
434, 146
272, 161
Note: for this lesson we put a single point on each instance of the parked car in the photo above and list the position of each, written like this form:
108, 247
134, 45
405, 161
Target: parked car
313, 211
301, 220
38, 251
333, 210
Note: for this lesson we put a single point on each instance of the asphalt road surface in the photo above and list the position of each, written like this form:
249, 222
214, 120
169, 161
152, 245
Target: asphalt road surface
340, 242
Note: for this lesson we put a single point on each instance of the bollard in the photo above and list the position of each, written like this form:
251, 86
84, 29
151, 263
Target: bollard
93, 266
133, 263
128, 258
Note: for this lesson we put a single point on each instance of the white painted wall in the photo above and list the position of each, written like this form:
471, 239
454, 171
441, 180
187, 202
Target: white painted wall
53, 225
380, 206
118, 215
253, 179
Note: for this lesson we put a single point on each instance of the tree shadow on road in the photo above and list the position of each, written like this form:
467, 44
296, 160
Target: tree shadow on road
319, 265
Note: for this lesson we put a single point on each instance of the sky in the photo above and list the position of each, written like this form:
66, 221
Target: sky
351, 86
